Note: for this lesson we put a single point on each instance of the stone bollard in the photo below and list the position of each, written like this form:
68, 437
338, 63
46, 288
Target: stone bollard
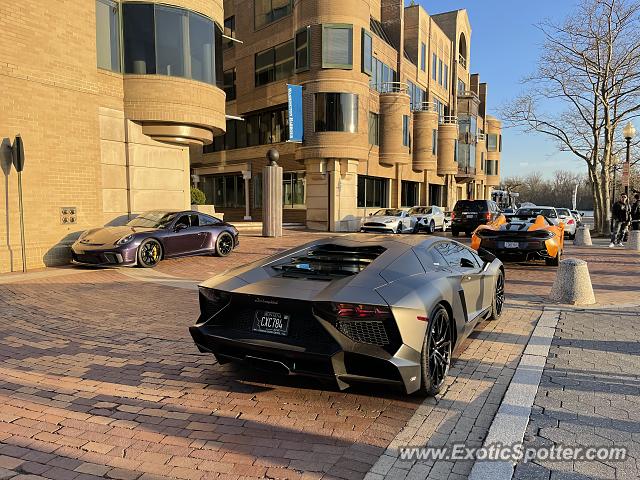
583, 237
573, 283
634, 240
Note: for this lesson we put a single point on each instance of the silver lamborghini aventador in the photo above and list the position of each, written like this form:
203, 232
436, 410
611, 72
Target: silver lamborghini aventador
353, 308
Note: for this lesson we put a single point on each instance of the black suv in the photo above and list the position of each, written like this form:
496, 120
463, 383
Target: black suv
467, 215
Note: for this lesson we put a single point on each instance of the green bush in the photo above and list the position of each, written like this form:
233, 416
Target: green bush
197, 196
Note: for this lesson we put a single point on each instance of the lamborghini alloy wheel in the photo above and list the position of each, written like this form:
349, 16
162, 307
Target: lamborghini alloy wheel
149, 253
497, 304
436, 351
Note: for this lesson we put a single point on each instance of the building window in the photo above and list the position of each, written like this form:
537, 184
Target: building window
229, 31
293, 189
455, 151
491, 167
336, 112
223, 190
374, 129
275, 63
372, 192
108, 35
461, 86
492, 142
256, 179
482, 165
337, 46
423, 57
405, 130
171, 41
268, 11
367, 52
500, 143
410, 194
440, 72
446, 76
303, 52
434, 67
434, 141
229, 84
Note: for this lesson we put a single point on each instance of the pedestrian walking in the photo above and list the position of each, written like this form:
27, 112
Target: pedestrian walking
621, 215
635, 212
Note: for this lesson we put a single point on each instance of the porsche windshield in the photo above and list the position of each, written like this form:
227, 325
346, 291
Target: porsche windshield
153, 220
388, 212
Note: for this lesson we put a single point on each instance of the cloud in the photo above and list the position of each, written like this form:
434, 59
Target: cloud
524, 164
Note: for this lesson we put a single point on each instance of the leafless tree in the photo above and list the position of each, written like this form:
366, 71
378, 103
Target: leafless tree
590, 70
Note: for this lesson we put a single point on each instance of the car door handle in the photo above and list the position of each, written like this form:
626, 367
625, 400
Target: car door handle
200, 234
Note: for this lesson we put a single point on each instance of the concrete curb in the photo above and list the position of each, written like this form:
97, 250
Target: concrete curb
510, 423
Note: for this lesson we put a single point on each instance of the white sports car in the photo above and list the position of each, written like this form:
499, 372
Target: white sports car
428, 218
389, 220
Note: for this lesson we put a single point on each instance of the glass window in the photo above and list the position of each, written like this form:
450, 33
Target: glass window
303, 53
202, 49
223, 190
372, 192
265, 69
257, 190
285, 58
434, 141
492, 142
241, 133
410, 194
454, 253
293, 189
229, 31
230, 135
336, 112
108, 35
461, 86
434, 66
380, 75
440, 72
268, 11
171, 28
139, 39
405, 130
337, 46
455, 151
500, 143
446, 76
274, 64
206, 220
374, 129
423, 57
367, 52
229, 84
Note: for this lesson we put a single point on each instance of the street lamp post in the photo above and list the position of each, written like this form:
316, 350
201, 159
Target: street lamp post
629, 132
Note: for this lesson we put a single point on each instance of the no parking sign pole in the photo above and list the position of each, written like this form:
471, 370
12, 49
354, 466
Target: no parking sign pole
17, 151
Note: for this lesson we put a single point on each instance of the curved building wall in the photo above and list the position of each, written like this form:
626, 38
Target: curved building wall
424, 151
447, 137
394, 108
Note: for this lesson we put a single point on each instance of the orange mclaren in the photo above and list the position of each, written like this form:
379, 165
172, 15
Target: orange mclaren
521, 238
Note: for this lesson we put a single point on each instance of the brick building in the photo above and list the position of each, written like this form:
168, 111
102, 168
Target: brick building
109, 98
392, 114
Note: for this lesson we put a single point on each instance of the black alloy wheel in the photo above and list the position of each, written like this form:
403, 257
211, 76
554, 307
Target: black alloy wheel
224, 244
497, 305
436, 351
149, 253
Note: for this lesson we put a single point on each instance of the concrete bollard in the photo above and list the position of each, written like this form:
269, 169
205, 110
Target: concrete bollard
634, 240
573, 283
583, 237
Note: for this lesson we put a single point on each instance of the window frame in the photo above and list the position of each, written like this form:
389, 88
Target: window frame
367, 35
226, 44
373, 119
434, 141
325, 63
296, 68
423, 55
381, 182
273, 51
271, 22
233, 85
118, 36
406, 136
434, 67
326, 129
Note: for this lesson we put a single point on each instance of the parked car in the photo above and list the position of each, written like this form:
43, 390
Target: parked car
550, 213
522, 237
389, 220
467, 215
578, 216
447, 220
570, 223
428, 218
354, 308
153, 236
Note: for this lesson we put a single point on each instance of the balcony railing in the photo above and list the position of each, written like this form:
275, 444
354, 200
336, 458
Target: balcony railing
466, 170
462, 60
482, 137
426, 107
394, 87
448, 120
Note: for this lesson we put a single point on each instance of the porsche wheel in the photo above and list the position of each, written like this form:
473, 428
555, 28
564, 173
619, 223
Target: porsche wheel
498, 298
436, 351
224, 244
149, 253
432, 226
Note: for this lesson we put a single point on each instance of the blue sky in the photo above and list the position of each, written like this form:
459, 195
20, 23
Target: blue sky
505, 46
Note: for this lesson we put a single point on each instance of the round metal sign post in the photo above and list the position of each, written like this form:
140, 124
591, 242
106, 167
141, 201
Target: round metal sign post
17, 151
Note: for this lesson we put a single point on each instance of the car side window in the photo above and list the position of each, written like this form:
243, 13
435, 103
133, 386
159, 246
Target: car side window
206, 221
183, 220
458, 256
195, 222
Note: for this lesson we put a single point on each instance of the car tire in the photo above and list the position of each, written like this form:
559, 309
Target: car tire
432, 227
416, 228
572, 236
149, 253
455, 233
224, 244
497, 304
399, 228
555, 261
436, 351
467, 234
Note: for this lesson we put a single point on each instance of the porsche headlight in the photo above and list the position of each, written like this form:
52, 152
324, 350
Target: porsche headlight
124, 240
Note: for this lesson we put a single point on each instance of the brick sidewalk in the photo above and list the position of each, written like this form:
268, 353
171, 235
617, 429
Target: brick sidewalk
589, 395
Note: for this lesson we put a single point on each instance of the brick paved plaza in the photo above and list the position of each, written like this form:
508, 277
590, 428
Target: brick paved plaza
99, 378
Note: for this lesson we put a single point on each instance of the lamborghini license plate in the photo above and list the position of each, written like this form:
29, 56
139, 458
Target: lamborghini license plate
511, 245
274, 323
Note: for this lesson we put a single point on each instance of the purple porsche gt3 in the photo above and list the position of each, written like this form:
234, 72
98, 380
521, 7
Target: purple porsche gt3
155, 235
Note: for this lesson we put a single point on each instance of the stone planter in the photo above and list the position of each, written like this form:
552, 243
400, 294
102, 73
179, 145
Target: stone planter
208, 210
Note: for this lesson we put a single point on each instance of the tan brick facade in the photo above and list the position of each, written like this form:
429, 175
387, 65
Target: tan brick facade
333, 161
83, 129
